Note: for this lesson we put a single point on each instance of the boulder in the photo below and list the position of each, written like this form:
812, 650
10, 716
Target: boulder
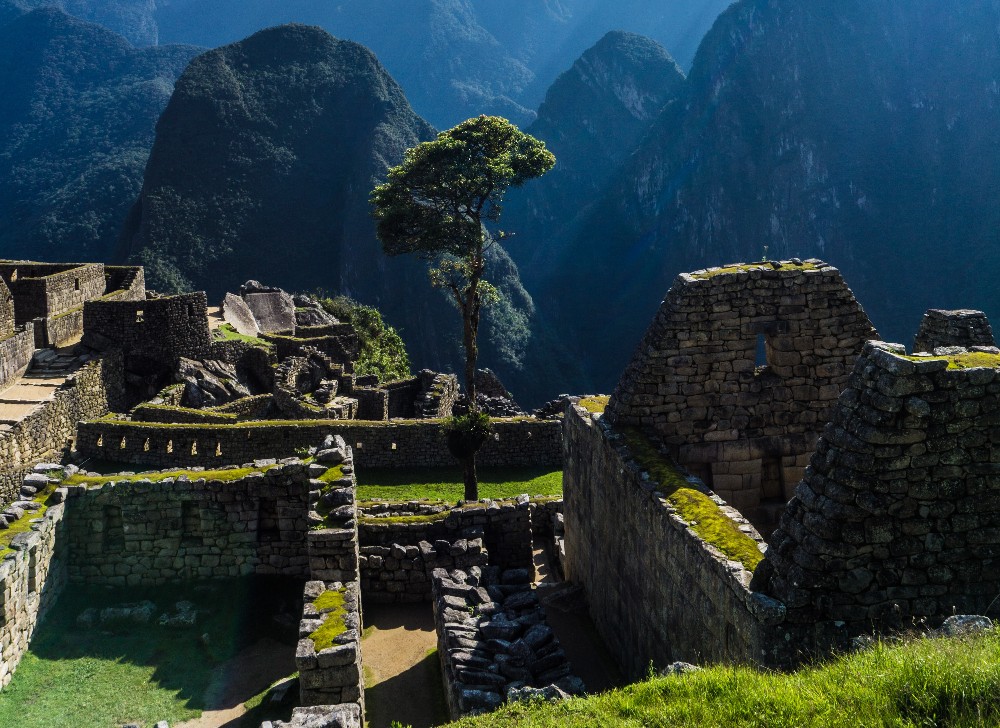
238, 315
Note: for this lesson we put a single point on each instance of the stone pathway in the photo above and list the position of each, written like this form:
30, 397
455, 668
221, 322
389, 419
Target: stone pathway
215, 317
47, 372
234, 682
402, 682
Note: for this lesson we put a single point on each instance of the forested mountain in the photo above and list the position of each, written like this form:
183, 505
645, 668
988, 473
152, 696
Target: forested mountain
76, 124
262, 167
454, 58
860, 132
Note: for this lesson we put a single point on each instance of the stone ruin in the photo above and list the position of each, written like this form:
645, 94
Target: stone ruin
962, 328
738, 373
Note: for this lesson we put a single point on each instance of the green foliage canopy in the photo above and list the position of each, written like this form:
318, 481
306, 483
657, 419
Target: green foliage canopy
382, 350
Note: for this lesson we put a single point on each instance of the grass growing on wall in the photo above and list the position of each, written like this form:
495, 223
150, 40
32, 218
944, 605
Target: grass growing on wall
702, 514
446, 484
924, 682
225, 476
595, 405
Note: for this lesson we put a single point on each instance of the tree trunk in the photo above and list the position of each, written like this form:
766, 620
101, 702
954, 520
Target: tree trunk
471, 480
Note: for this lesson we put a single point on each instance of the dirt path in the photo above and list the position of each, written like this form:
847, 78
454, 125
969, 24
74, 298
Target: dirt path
239, 679
402, 681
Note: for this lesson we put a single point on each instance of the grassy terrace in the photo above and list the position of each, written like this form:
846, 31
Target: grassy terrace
700, 511
725, 270
226, 332
923, 682
226, 476
446, 484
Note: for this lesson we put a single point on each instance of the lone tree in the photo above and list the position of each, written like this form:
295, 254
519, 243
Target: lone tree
435, 204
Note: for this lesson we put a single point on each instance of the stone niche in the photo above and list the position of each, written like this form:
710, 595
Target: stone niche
898, 517
738, 373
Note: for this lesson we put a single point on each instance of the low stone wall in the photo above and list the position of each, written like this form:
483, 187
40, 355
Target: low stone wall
402, 574
167, 413
91, 392
31, 578
657, 592
333, 673
15, 354
493, 642
410, 444
135, 531
504, 526
65, 326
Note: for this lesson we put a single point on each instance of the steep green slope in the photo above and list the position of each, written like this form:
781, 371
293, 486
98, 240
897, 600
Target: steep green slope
860, 132
76, 124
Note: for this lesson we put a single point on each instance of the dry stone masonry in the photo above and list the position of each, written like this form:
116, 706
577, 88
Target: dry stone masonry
963, 328
493, 641
898, 517
330, 673
740, 370
402, 573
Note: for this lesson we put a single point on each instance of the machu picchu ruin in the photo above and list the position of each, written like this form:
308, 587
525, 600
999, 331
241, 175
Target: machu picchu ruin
794, 483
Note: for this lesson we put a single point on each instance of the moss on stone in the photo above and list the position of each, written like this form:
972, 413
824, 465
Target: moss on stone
332, 474
226, 476
702, 514
25, 522
595, 405
332, 604
971, 360
762, 266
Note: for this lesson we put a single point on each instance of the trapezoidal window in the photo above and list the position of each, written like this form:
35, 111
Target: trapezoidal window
140, 316
114, 528
772, 480
76, 284
191, 528
267, 520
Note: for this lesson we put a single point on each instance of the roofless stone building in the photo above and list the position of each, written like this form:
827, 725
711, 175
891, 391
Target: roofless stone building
739, 372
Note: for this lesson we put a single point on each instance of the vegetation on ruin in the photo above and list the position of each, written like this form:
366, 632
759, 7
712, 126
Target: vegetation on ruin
595, 405
971, 360
226, 332
227, 475
436, 205
383, 352
120, 673
330, 603
25, 522
446, 484
209, 414
762, 266
920, 682
701, 513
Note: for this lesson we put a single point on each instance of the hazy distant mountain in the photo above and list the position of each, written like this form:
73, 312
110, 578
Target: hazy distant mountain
861, 132
454, 58
76, 124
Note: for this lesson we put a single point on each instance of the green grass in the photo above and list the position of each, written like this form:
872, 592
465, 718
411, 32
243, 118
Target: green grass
446, 484
920, 683
111, 675
701, 513
595, 405
712, 272
226, 332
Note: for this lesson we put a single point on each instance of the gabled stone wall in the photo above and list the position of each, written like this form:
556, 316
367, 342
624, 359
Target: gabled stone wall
898, 517
44, 290
739, 371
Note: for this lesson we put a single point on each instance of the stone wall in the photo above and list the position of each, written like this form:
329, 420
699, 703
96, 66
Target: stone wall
31, 578
135, 531
898, 517
504, 526
16, 351
158, 330
125, 282
45, 290
91, 392
657, 592
438, 394
493, 642
401, 573
739, 371
377, 445
953, 328
332, 674
62, 327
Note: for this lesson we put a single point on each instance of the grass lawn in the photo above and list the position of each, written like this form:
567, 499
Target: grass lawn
924, 682
107, 676
446, 483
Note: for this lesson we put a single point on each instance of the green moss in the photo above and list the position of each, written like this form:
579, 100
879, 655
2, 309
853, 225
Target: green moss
702, 514
595, 405
25, 522
332, 474
225, 476
763, 266
972, 360
330, 603
206, 413
258, 424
